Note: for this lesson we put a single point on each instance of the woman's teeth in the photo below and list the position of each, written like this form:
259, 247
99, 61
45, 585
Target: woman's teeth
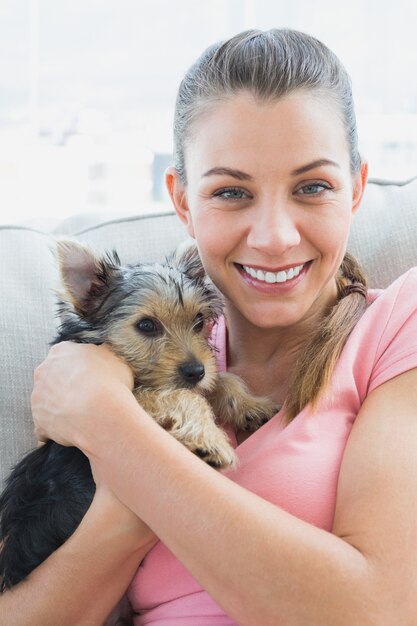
274, 277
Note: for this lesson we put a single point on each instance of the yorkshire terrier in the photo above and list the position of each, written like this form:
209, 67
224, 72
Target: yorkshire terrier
158, 318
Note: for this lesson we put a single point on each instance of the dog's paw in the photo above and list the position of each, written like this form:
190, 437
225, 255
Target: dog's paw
188, 417
219, 455
234, 404
259, 411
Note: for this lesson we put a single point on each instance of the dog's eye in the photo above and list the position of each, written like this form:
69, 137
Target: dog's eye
198, 323
149, 327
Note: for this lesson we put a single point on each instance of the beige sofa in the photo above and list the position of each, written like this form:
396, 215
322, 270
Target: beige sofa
384, 238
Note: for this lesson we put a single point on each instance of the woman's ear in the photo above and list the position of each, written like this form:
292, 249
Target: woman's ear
359, 186
178, 196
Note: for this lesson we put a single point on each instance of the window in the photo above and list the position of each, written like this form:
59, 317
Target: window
88, 91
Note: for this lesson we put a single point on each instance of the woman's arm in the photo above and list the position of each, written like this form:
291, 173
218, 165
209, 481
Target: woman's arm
83, 580
261, 564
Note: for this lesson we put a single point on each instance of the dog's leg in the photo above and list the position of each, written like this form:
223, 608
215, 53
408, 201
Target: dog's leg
189, 418
232, 403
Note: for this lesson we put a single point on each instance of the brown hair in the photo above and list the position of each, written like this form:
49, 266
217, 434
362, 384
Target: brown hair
270, 65
319, 356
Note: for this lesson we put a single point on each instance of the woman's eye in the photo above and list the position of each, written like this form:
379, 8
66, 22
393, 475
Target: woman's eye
312, 189
231, 193
149, 327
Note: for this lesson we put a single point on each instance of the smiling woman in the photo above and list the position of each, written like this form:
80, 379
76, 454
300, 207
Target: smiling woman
268, 235
310, 529
280, 217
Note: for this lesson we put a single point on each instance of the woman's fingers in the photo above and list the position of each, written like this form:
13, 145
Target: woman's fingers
68, 384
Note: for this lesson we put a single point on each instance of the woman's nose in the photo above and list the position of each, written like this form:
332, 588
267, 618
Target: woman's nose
273, 230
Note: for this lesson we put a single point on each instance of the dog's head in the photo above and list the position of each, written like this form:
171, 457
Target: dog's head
156, 316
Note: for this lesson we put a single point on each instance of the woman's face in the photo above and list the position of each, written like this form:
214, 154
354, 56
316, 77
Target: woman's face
269, 199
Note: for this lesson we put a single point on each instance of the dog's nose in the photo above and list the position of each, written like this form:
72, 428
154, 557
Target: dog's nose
192, 372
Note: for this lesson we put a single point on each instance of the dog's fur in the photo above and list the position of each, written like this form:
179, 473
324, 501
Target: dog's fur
157, 317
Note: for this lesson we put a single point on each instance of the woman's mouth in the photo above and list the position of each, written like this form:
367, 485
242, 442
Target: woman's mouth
267, 280
273, 277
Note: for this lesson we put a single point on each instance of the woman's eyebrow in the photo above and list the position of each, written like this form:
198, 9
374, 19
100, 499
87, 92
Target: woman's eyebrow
312, 165
239, 175
227, 171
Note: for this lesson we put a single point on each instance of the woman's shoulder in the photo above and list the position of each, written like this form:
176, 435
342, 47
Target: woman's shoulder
391, 311
384, 342
401, 294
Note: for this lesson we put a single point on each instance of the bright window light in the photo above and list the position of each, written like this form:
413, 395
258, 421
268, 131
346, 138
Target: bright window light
88, 91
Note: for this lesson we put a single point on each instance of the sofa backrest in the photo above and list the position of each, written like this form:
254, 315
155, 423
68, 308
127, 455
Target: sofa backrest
384, 238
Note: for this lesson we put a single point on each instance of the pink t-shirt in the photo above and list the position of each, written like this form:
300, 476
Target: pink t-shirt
295, 466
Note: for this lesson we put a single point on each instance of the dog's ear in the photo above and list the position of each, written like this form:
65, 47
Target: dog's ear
187, 260
86, 276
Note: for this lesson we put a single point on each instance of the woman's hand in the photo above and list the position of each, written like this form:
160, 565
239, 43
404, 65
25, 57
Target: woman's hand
71, 386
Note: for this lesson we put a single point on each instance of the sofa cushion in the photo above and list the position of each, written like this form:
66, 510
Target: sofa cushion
384, 238
384, 232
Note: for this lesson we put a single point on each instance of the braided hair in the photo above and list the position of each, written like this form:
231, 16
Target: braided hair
317, 361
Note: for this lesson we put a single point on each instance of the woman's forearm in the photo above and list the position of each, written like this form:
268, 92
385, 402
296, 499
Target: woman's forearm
262, 565
80, 583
